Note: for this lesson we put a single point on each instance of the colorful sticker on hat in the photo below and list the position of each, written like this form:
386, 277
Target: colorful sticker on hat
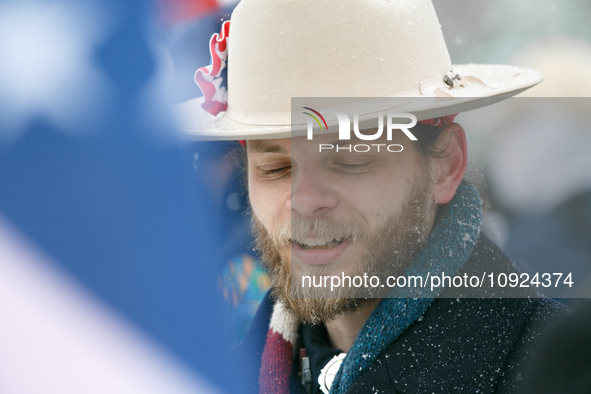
212, 79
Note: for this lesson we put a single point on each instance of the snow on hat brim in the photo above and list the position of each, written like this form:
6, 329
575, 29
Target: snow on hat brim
480, 85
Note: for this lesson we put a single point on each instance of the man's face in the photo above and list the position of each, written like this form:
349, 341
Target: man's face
333, 213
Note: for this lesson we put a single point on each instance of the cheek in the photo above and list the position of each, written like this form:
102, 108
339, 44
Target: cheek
256, 200
268, 200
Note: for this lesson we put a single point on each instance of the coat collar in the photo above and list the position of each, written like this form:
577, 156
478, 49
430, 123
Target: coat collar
459, 345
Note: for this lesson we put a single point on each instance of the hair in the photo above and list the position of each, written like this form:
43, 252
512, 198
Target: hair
427, 137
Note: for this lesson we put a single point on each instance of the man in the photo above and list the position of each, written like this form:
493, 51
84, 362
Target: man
382, 204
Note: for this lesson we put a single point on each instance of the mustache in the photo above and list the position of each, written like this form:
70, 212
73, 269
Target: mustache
300, 228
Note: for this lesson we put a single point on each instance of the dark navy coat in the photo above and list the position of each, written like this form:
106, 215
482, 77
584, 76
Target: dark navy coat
462, 345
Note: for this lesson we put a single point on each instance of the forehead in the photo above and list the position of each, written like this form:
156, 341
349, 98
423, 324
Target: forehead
282, 146
300, 144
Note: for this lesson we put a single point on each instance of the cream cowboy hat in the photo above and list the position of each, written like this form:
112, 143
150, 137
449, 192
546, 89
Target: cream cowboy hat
371, 49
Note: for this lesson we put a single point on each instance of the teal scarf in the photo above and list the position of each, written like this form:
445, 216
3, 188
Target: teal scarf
447, 249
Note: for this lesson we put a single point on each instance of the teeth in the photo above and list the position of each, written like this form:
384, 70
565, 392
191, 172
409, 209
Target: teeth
315, 243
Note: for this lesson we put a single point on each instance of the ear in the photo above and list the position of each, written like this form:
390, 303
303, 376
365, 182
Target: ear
450, 166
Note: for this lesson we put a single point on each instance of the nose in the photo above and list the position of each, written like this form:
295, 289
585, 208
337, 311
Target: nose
311, 196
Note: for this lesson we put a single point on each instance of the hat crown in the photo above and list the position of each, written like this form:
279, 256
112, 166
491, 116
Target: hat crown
280, 49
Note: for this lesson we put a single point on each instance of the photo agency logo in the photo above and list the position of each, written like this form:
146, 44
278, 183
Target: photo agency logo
344, 125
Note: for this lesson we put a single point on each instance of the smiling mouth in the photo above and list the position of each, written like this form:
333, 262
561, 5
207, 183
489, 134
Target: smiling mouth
313, 244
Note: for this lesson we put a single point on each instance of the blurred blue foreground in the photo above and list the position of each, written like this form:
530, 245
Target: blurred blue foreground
100, 212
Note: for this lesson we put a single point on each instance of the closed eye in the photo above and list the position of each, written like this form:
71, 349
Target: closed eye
275, 171
353, 167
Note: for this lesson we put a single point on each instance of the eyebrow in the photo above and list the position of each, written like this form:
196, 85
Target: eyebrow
262, 146
340, 143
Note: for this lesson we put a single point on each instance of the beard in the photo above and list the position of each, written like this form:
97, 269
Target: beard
388, 250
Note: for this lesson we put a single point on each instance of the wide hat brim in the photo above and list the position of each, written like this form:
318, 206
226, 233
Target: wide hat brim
481, 85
